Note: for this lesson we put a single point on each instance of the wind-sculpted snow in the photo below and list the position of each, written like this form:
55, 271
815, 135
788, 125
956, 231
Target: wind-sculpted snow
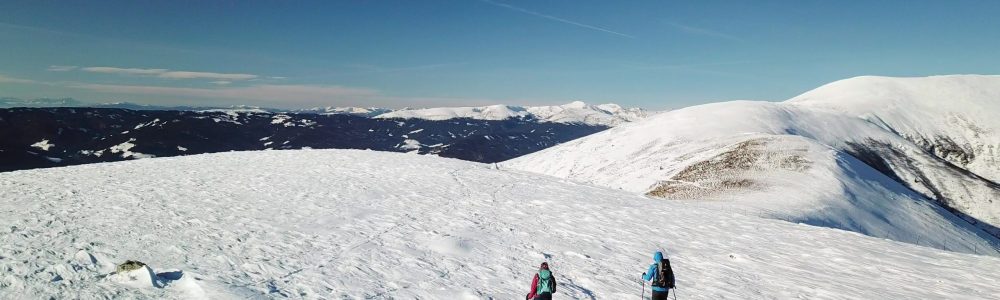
348, 224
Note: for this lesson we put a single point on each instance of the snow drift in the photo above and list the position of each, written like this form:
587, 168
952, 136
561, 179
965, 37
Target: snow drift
791, 161
351, 224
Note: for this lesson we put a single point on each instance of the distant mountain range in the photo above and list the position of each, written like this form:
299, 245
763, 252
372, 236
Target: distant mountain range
357, 111
11, 102
574, 112
8, 102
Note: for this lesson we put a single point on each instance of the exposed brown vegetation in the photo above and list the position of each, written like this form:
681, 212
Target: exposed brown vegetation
731, 170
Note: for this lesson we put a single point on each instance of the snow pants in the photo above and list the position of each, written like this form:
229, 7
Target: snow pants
660, 295
543, 297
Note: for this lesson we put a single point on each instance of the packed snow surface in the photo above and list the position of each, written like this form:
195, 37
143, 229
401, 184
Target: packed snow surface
574, 112
348, 224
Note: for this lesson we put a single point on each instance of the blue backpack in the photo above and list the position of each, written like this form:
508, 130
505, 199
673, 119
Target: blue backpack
545, 285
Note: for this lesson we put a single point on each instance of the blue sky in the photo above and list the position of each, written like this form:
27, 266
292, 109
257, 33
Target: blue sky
653, 54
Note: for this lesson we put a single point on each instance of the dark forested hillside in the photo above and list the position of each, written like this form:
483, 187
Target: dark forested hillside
49, 137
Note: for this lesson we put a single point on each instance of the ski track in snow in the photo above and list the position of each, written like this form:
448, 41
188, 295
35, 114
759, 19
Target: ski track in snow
347, 224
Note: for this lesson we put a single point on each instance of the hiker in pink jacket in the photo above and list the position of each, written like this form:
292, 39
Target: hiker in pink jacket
543, 285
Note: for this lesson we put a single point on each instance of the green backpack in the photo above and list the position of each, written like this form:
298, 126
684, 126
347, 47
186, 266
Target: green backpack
544, 282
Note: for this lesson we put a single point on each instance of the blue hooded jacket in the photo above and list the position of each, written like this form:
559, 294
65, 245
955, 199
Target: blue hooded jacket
652, 271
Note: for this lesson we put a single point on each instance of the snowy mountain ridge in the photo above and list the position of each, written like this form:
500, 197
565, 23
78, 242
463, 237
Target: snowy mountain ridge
341, 223
6, 102
350, 110
953, 117
573, 112
752, 154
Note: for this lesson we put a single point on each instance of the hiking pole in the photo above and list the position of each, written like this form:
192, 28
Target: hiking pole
643, 294
675, 293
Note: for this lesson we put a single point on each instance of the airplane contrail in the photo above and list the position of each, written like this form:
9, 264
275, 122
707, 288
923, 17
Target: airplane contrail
557, 19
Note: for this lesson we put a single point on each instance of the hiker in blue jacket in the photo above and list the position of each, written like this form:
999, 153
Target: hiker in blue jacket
660, 275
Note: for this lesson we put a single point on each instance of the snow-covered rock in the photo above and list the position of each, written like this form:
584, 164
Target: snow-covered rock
351, 224
142, 277
574, 112
662, 154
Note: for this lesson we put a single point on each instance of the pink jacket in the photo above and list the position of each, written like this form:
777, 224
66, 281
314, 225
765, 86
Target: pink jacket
534, 282
534, 287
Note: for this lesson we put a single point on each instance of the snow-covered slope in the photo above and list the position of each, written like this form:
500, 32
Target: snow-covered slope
754, 155
574, 112
955, 117
349, 224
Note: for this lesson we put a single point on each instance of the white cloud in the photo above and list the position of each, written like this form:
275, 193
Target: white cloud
221, 82
286, 96
206, 75
165, 73
127, 71
7, 79
57, 68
